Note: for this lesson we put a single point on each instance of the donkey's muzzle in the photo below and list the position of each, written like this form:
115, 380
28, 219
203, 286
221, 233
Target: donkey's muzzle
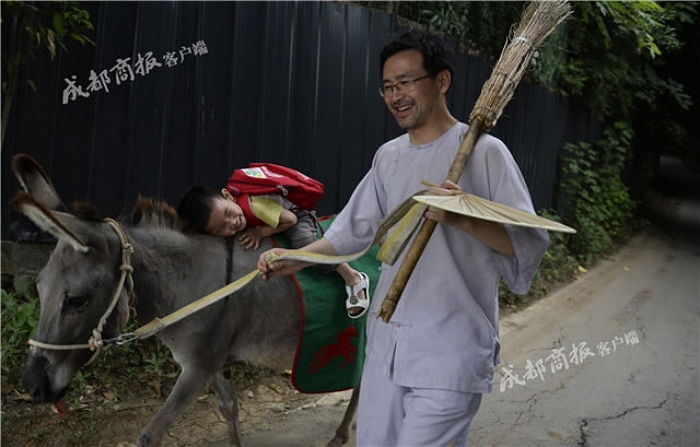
36, 380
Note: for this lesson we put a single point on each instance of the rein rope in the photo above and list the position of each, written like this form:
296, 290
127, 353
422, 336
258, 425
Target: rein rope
404, 219
96, 343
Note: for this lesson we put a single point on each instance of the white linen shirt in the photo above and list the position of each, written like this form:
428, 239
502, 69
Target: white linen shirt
444, 332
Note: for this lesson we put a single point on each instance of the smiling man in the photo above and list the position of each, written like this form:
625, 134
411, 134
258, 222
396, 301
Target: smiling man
426, 370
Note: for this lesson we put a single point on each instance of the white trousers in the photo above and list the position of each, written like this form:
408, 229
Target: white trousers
392, 415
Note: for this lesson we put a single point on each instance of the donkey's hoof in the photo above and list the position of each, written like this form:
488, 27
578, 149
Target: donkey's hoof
146, 441
337, 441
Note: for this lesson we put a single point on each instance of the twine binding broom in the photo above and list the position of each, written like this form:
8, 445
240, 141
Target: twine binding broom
538, 21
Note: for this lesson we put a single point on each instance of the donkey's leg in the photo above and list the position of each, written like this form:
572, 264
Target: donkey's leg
190, 382
228, 406
342, 433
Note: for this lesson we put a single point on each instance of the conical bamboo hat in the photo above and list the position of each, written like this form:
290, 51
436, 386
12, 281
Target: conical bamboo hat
480, 208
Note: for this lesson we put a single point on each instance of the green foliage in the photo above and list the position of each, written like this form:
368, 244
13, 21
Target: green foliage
558, 263
119, 369
480, 26
596, 200
35, 28
156, 361
609, 56
20, 313
639, 20
25, 286
41, 26
45, 25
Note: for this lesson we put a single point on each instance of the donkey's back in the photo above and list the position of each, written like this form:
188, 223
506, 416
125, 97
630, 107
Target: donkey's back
259, 324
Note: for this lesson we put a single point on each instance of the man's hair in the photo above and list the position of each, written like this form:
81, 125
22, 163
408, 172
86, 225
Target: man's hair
437, 56
195, 207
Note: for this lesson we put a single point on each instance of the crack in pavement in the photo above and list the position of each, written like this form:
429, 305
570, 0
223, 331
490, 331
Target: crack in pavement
521, 401
498, 423
585, 421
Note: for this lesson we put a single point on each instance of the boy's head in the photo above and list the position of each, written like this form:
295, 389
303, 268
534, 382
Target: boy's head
206, 210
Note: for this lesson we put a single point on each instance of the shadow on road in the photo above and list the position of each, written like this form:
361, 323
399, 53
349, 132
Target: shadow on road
675, 206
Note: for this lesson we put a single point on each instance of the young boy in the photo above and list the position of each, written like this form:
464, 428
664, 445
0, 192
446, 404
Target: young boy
226, 213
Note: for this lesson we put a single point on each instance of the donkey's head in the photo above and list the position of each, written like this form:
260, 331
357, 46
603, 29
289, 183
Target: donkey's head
75, 287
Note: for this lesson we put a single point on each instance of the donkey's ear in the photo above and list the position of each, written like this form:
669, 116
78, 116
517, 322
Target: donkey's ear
34, 180
63, 226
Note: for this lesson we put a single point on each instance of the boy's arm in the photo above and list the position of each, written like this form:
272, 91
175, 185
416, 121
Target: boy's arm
252, 235
287, 220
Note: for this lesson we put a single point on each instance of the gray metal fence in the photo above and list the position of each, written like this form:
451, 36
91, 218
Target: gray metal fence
198, 88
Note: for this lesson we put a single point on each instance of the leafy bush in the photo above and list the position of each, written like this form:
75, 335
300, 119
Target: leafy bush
20, 313
558, 263
595, 199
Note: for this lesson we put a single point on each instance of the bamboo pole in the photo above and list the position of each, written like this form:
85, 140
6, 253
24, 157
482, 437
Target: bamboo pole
538, 21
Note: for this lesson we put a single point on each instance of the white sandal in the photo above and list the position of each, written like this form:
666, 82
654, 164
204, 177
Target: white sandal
354, 300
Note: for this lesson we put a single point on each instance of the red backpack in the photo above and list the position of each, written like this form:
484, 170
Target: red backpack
268, 178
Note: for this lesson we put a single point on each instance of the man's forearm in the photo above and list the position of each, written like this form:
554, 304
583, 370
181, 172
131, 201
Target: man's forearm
320, 246
490, 233
270, 269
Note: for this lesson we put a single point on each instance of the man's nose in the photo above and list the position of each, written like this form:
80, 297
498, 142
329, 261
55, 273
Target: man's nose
398, 95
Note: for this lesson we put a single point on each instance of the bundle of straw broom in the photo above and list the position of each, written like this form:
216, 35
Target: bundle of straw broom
538, 21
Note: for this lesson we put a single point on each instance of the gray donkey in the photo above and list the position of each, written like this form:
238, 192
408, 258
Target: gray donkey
259, 324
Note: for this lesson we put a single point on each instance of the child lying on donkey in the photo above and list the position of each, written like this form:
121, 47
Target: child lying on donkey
256, 215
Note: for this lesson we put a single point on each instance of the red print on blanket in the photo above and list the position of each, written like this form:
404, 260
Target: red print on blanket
343, 347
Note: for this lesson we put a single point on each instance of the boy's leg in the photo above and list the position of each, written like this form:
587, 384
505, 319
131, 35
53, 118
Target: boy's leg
357, 289
437, 417
304, 232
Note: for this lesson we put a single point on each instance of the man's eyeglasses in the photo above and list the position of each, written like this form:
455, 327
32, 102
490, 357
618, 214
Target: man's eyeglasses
400, 87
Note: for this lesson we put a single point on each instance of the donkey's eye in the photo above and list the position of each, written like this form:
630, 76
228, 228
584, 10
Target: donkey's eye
74, 302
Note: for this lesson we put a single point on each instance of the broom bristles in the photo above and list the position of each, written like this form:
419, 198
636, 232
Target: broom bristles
539, 20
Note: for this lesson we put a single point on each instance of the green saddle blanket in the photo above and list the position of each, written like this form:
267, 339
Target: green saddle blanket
331, 347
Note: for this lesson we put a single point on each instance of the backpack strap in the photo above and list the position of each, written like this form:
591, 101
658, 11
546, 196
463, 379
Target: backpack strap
251, 220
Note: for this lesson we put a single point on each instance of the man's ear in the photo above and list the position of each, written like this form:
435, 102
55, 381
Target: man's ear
445, 80
227, 195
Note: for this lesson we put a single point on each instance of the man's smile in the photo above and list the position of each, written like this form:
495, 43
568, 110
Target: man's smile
403, 110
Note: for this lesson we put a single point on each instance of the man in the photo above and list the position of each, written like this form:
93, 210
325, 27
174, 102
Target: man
426, 370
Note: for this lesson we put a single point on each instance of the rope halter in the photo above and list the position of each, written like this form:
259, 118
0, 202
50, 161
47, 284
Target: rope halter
96, 343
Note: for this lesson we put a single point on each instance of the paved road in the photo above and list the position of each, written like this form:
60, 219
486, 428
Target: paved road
635, 394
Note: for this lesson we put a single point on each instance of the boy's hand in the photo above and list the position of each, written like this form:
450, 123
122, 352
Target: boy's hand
251, 237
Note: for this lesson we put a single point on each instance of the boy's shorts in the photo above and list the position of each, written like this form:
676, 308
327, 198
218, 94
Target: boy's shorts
305, 232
